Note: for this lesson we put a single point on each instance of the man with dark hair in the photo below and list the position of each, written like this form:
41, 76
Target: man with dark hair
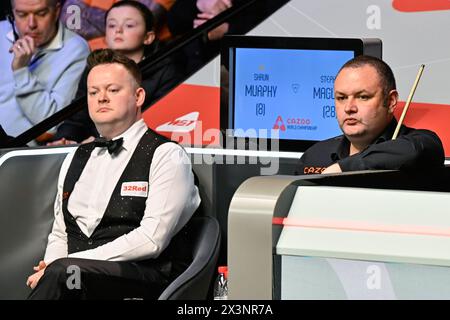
109, 57
41, 64
122, 200
365, 98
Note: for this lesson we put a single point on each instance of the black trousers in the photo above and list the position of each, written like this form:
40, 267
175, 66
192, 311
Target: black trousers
73, 278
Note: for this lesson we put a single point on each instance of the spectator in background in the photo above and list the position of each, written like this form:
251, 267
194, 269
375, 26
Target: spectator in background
213, 6
40, 67
93, 15
129, 30
208, 10
190, 14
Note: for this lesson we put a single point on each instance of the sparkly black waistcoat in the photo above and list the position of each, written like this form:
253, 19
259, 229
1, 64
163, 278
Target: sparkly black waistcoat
123, 213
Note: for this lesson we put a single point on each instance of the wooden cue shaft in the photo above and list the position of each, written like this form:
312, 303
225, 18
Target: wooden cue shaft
405, 109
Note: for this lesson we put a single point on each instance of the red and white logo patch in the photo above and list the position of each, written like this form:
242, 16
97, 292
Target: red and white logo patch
184, 123
134, 189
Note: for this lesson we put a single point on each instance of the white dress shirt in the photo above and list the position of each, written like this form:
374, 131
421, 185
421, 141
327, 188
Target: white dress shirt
172, 199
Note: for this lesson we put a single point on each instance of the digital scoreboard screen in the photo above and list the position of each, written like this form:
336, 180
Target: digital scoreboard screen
284, 84
290, 90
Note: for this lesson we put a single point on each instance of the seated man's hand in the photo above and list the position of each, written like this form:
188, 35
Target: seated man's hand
213, 6
61, 142
33, 280
65, 141
334, 168
23, 50
87, 140
215, 34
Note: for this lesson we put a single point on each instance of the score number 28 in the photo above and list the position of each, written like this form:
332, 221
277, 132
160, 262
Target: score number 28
328, 112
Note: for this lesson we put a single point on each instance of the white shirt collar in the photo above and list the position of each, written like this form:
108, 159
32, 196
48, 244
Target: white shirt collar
133, 134
10, 36
130, 137
57, 41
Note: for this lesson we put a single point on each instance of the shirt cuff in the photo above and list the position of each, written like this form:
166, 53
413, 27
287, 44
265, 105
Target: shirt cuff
49, 259
21, 77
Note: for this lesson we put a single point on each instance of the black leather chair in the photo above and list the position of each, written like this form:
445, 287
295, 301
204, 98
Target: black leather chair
27, 195
195, 282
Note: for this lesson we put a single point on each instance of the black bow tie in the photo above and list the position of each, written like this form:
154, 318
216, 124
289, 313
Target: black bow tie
112, 145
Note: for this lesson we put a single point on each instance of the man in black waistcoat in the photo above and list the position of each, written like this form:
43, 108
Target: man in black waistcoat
122, 200
365, 98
